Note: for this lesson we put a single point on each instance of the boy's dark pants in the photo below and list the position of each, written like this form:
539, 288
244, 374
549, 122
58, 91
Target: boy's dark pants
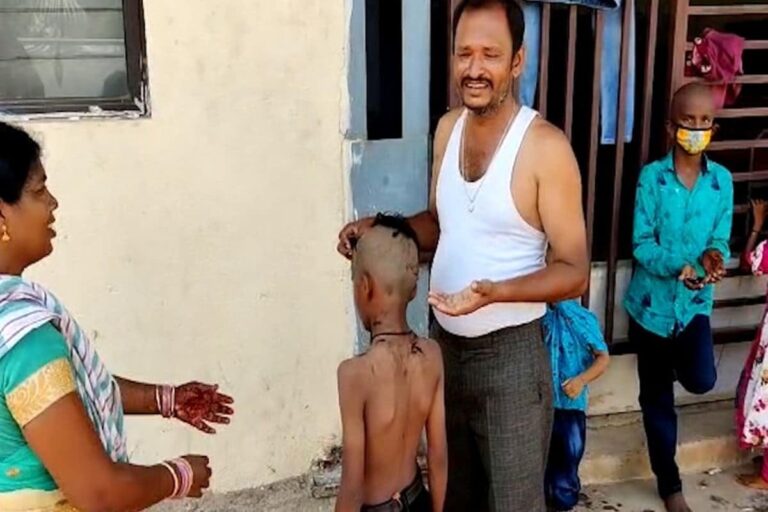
562, 482
687, 357
414, 498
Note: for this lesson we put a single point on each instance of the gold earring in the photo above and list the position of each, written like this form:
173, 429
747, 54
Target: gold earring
5, 238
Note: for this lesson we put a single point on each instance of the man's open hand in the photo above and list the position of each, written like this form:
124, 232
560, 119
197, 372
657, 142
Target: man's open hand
467, 301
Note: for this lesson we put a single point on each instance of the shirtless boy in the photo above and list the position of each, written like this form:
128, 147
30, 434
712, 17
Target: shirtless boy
390, 394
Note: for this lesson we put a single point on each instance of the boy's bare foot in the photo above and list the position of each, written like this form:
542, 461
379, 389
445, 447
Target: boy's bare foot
754, 481
677, 503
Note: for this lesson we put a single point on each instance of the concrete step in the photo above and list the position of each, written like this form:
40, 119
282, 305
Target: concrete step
616, 445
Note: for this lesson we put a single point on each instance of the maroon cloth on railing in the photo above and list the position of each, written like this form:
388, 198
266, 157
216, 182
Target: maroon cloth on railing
717, 57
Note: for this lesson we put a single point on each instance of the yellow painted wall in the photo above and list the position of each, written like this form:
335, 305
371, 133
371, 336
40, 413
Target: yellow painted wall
199, 244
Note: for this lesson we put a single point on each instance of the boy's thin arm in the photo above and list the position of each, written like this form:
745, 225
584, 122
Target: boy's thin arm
352, 404
437, 446
597, 368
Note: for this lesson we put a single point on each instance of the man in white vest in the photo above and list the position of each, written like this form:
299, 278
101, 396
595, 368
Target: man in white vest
506, 187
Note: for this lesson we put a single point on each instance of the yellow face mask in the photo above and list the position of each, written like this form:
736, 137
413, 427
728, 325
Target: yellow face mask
693, 140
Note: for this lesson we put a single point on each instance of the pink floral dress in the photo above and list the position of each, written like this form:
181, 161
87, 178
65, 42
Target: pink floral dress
752, 395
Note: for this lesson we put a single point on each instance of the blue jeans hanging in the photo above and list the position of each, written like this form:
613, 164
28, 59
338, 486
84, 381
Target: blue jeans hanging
532, 42
609, 70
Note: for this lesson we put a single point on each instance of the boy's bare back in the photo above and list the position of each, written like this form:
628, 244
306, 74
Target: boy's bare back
395, 389
391, 393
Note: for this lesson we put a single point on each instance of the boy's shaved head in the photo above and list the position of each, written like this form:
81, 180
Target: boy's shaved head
389, 255
694, 92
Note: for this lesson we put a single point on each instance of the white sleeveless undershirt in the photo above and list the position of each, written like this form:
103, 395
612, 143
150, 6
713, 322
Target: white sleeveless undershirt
491, 242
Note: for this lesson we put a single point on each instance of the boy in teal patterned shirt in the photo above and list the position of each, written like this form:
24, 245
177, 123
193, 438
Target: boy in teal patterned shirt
682, 226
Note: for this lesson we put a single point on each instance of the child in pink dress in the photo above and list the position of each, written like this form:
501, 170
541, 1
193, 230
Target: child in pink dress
752, 394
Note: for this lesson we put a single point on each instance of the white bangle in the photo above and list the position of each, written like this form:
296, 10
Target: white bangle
165, 396
170, 468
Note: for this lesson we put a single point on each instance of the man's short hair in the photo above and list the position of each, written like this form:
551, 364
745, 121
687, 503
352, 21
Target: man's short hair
514, 12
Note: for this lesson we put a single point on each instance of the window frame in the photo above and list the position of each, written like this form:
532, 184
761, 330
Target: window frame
136, 105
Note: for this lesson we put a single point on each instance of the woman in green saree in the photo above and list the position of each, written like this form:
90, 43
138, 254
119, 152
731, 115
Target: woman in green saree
62, 440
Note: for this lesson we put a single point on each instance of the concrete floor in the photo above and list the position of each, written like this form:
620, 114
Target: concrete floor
706, 493
287, 496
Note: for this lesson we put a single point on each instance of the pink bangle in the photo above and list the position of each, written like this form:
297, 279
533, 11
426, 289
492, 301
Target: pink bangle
186, 477
175, 476
165, 398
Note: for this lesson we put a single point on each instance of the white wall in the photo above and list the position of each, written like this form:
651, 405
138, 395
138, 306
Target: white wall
199, 244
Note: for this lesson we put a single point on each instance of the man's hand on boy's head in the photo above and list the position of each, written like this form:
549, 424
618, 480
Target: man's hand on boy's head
350, 233
468, 300
714, 265
574, 387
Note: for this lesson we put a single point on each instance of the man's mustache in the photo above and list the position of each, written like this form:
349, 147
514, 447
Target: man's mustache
467, 81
